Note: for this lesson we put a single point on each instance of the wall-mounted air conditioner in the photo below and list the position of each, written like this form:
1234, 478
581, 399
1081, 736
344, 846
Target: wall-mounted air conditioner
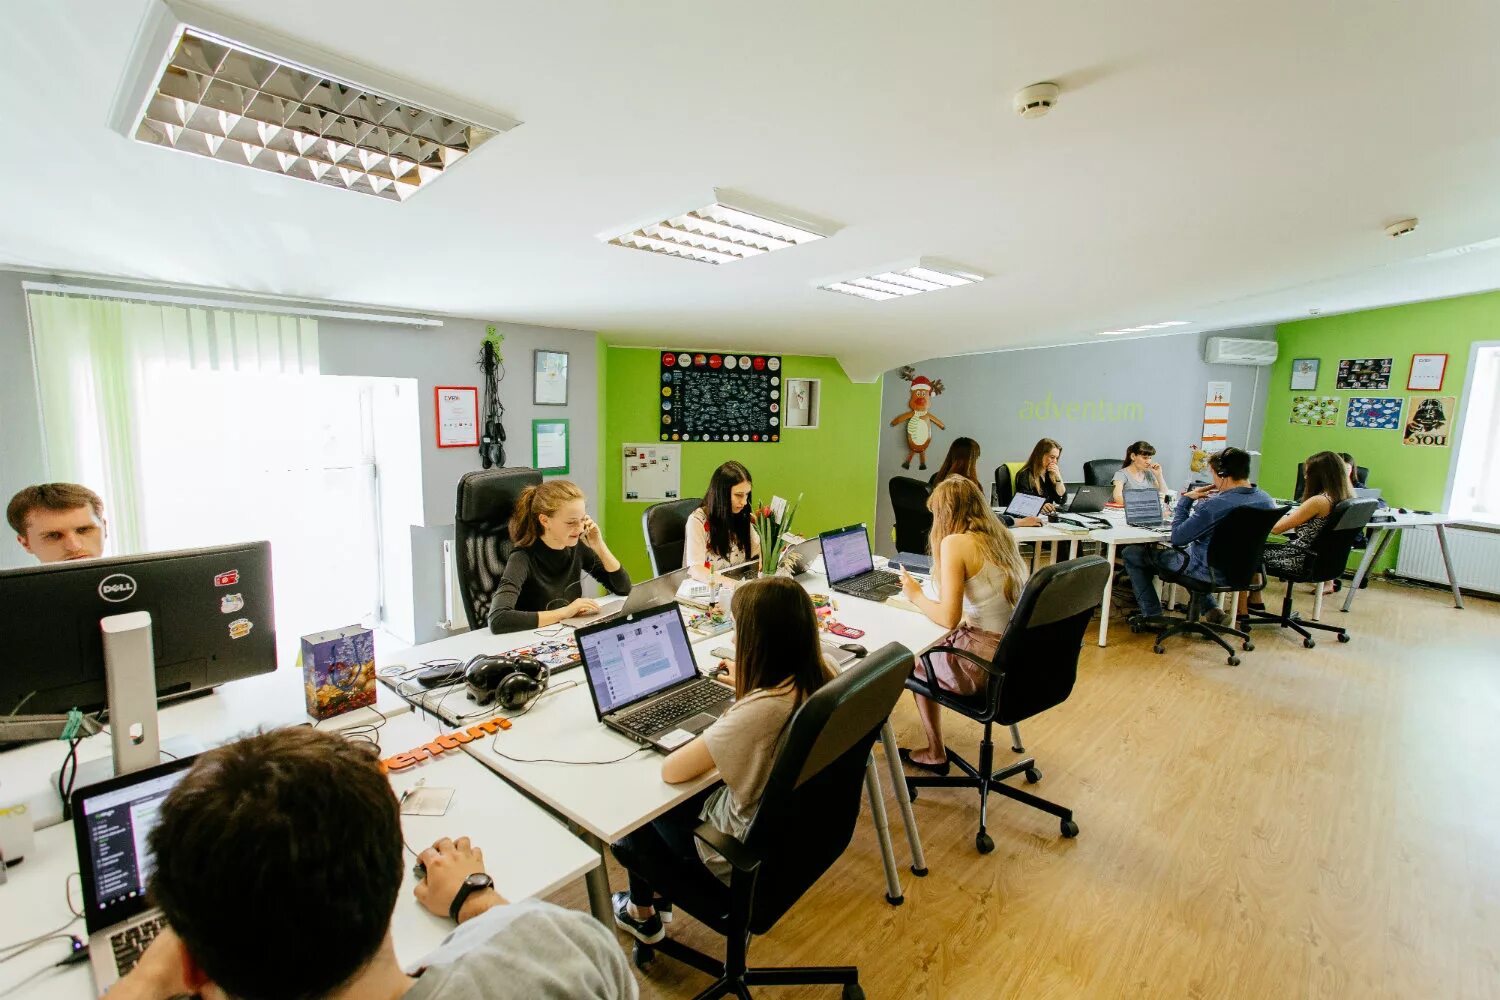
1238, 351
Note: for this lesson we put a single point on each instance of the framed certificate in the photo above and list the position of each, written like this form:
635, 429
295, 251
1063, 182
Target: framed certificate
549, 447
457, 416
1305, 373
1427, 371
549, 385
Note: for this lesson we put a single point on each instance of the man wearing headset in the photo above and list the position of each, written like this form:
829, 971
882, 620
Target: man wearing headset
278, 863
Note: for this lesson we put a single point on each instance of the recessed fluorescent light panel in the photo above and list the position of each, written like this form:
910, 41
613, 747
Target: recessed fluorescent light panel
226, 101
726, 231
1142, 329
927, 276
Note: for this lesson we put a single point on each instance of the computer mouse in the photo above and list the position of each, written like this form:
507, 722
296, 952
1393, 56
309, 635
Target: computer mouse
855, 648
419, 871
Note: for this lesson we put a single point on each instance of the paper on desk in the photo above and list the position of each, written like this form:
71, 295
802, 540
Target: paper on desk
426, 801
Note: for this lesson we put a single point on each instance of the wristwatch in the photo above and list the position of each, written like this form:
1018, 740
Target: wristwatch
477, 882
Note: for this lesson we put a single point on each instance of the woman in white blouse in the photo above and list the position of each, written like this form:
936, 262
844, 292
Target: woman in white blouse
719, 533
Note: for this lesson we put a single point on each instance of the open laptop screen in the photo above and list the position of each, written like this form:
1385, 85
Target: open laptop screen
1024, 505
1143, 508
634, 657
113, 826
846, 553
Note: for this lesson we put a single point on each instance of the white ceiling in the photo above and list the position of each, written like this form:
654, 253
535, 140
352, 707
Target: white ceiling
1226, 164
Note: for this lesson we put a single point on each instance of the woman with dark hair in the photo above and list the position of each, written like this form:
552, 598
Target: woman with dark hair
962, 460
1139, 471
718, 532
1040, 476
1325, 484
778, 665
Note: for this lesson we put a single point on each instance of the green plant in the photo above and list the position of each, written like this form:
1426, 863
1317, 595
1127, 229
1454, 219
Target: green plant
771, 527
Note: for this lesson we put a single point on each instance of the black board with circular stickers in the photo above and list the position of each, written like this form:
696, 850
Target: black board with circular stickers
719, 396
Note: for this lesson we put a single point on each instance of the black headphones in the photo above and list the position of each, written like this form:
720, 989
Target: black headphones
512, 681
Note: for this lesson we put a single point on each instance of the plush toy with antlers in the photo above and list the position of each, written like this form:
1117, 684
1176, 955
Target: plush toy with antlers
918, 434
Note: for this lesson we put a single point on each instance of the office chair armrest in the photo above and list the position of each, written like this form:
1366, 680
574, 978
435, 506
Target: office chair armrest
733, 851
989, 667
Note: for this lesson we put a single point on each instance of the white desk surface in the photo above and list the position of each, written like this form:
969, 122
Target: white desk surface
526, 851
268, 700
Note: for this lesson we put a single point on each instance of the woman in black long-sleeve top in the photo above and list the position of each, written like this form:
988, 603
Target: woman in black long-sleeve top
542, 582
1040, 476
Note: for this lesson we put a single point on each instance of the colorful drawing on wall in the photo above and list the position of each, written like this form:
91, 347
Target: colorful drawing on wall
1364, 373
1315, 411
1429, 421
1305, 373
916, 417
1376, 413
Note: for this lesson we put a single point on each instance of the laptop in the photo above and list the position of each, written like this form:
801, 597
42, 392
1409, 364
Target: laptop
1089, 499
646, 594
1143, 508
1367, 493
644, 680
1025, 505
111, 822
851, 566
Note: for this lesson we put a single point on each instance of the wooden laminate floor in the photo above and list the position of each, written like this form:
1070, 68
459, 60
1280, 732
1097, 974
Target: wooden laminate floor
1313, 823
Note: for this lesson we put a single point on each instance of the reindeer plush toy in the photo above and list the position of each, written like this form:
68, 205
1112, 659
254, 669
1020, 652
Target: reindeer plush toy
918, 434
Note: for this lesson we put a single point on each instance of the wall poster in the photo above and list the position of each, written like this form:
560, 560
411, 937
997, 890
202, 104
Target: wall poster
1376, 413
1364, 373
1429, 421
1315, 411
720, 397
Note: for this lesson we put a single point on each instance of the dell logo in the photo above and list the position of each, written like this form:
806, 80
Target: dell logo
117, 587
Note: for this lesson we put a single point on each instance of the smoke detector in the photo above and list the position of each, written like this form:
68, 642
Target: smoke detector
1398, 229
1036, 100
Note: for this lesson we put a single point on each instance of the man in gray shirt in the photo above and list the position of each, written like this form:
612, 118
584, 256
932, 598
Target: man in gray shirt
278, 861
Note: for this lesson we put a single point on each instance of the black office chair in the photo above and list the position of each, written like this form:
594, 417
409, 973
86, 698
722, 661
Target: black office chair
1329, 556
1004, 487
1234, 556
665, 525
1101, 471
913, 519
1034, 669
481, 533
1361, 477
804, 821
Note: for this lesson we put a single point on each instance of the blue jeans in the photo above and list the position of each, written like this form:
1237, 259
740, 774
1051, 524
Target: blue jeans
1146, 562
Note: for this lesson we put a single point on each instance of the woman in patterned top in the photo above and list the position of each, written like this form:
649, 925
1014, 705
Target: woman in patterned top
719, 533
1325, 484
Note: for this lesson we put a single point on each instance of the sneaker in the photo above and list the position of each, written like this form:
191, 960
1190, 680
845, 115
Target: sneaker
1153, 623
648, 931
1214, 616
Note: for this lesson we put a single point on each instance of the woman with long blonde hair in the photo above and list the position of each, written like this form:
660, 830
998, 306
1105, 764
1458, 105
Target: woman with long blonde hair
979, 575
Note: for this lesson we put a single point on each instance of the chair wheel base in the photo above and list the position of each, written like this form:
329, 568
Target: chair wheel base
1234, 661
852, 991
1343, 637
1069, 829
919, 872
643, 954
1033, 775
1248, 647
983, 843
1308, 643
1159, 649
894, 900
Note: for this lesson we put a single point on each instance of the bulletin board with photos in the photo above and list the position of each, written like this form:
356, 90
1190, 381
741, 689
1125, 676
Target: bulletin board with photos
651, 472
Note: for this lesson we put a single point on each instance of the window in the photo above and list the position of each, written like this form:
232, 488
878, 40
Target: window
1476, 481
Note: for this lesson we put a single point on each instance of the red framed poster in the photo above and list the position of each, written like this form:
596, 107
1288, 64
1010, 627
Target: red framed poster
457, 415
1427, 372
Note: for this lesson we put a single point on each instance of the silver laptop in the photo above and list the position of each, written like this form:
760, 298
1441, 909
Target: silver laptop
646, 594
112, 821
644, 680
1024, 505
1143, 509
1367, 493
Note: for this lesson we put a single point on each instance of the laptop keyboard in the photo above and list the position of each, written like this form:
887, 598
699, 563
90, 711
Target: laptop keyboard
875, 582
133, 941
685, 703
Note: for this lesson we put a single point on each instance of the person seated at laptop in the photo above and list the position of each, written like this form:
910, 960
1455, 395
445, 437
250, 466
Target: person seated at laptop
963, 460
1040, 476
541, 584
1140, 471
292, 839
778, 664
979, 575
718, 532
1197, 514
57, 522
1325, 483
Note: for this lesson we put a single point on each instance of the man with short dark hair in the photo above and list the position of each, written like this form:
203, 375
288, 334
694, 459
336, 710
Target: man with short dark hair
58, 521
278, 863
1193, 525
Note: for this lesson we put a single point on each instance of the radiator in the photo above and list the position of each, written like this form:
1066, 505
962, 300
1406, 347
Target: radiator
1475, 553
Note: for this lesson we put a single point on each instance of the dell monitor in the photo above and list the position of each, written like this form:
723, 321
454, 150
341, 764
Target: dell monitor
210, 611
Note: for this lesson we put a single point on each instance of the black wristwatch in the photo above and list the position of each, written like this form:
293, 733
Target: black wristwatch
477, 882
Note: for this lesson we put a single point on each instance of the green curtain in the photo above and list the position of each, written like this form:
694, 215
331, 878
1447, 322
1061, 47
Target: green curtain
94, 359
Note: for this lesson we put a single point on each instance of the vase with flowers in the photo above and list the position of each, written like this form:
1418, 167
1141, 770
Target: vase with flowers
771, 522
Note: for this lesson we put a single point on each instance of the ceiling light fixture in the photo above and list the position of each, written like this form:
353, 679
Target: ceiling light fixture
733, 228
929, 275
205, 85
1142, 329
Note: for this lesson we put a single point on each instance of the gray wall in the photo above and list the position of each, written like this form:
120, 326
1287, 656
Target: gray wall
445, 355
1151, 388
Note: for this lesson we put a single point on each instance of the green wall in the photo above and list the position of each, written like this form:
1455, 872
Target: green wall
833, 465
1409, 477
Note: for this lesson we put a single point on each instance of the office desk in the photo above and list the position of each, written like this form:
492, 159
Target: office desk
267, 700
1381, 534
526, 851
1112, 539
